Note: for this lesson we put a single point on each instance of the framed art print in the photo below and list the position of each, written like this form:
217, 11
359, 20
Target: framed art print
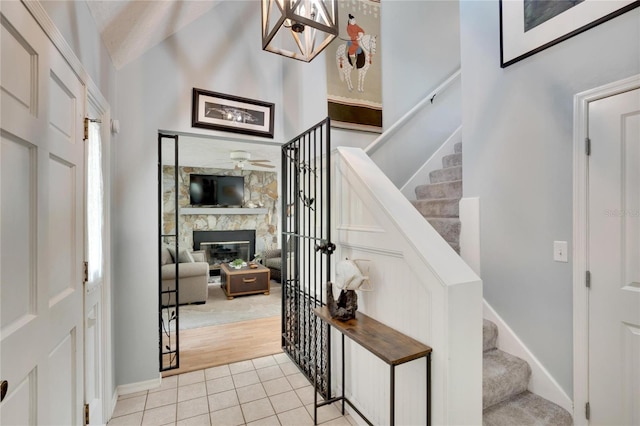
217, 111
354, 68
530, 26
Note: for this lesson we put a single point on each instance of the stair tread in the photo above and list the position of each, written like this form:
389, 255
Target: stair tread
452, 160
437, 200
526, 409
489, 335
443, 219
449, 189
438, 207
503, 376
446, 174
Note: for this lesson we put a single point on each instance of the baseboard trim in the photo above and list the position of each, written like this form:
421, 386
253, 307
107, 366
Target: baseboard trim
541, 383
114, 401
434, 162
138, 386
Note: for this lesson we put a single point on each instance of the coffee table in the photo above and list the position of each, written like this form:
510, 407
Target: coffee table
246, 280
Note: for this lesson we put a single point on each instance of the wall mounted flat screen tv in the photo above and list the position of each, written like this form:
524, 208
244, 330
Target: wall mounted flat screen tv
214, 190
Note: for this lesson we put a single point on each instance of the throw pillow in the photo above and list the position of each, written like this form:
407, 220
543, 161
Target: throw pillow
166, 256
183, 255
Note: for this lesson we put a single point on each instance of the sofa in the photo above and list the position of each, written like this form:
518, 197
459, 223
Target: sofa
193, 276
272, 259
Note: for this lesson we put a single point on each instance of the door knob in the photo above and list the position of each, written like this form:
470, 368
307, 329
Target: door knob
4, 386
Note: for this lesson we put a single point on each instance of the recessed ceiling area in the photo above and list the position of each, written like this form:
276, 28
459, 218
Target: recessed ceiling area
215, 152
129, 28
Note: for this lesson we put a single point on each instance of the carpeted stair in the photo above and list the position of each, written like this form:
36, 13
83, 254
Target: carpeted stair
505, 378
439, 200
505, 398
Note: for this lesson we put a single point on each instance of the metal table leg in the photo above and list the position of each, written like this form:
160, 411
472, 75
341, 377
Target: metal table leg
392, 385
343, 390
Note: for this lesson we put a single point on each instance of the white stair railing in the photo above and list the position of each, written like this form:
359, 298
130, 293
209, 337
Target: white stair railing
421, 287
428, 100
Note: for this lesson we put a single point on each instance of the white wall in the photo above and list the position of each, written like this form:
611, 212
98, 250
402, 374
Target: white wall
517, 146
221, 52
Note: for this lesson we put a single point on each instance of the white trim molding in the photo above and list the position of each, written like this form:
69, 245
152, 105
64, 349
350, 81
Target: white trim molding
139, 386
421, 176
470, 232
42, 18
580, 224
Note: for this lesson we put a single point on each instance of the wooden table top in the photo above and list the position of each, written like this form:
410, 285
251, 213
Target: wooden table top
244, 270
388, 344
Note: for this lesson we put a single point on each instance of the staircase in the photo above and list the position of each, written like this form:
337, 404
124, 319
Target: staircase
439, 200
505, 398
505, 378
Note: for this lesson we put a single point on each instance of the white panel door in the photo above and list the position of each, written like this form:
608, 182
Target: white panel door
614, 260
94, 394
41, 197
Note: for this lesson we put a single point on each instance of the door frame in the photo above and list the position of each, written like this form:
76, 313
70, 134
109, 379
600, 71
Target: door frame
94, 96
98, 108
580, 232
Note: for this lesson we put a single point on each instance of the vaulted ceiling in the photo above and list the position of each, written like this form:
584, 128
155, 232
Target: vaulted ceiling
131, 27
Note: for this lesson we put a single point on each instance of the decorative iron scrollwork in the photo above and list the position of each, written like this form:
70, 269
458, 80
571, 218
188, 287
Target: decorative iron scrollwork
326, 247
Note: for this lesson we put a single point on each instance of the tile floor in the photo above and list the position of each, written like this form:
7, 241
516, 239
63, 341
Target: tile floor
263, 391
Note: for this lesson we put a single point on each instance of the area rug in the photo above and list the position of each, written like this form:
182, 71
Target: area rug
219, 310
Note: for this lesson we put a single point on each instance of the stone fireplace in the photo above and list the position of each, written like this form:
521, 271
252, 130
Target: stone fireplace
261, 188
225, 246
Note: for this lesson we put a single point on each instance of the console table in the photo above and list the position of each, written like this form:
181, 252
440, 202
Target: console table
391, 346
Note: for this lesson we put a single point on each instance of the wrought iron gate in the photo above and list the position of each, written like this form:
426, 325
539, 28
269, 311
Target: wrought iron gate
169, 343
306, 250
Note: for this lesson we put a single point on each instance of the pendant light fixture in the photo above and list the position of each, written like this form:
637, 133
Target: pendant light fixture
298, 29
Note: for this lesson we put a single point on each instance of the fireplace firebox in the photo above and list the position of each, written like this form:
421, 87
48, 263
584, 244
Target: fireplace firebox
225, 246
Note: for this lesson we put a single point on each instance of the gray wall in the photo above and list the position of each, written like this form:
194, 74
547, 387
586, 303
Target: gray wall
220, 51
517, 147
420, 48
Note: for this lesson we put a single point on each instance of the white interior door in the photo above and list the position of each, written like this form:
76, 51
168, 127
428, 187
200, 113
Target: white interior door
614, 260
41, 225
94, 329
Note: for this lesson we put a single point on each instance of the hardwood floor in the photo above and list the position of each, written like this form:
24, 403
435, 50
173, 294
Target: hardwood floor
206, 347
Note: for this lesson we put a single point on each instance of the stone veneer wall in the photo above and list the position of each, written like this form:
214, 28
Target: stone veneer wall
260, 187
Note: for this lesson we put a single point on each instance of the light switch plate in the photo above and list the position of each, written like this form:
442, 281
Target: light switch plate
560, 251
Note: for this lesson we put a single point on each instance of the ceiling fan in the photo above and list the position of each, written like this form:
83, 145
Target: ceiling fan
243, 158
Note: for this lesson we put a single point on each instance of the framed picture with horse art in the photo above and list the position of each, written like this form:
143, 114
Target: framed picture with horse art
219, 111
354, 71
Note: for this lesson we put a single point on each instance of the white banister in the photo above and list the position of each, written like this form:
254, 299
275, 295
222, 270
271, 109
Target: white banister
421, 287
428, 100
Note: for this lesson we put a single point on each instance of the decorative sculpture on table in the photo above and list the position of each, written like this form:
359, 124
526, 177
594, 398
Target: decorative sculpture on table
351, 275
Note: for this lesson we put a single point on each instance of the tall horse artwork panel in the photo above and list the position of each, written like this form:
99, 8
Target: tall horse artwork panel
354, 81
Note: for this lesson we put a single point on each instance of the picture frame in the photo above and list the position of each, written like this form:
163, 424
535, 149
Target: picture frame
228, 113
530, 26
354, 68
